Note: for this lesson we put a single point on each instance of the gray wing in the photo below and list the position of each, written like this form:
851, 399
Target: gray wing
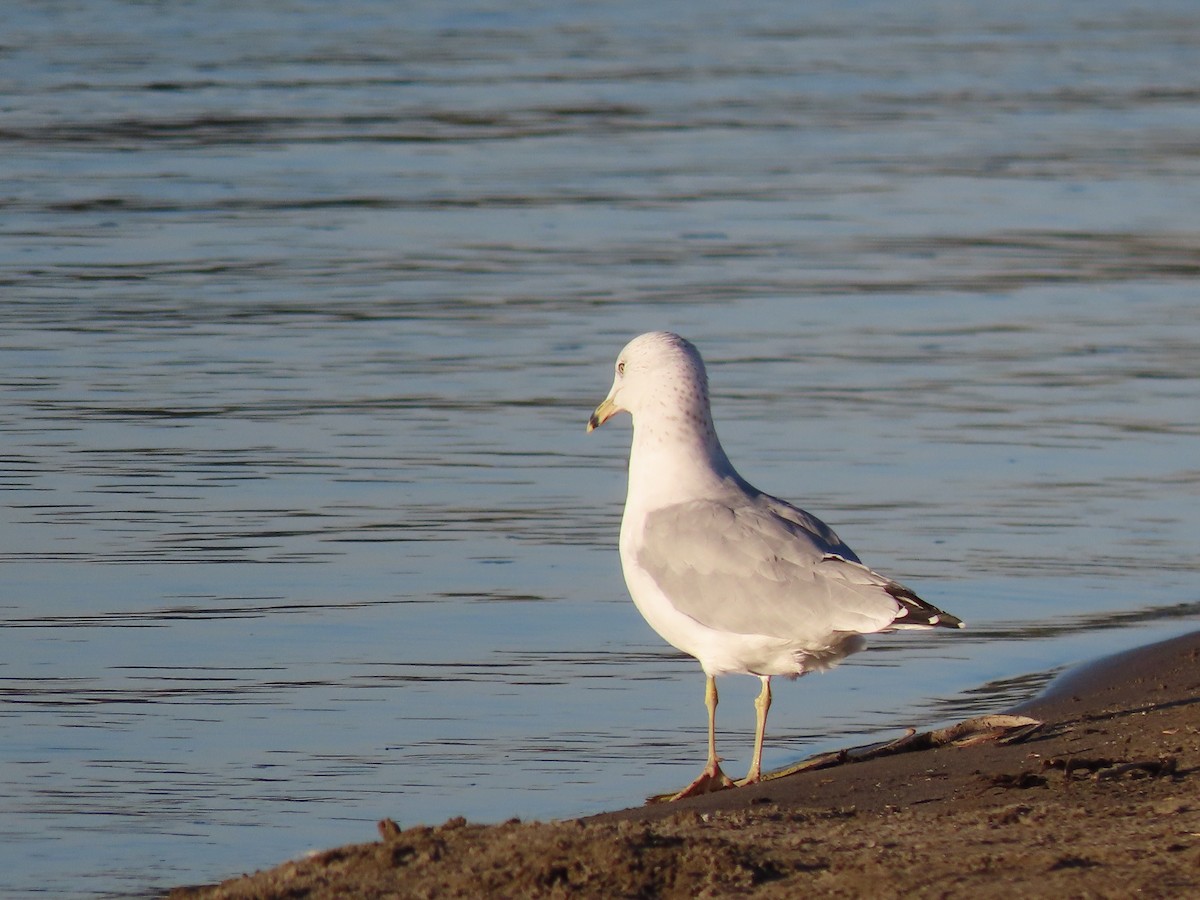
763, 567
821, 534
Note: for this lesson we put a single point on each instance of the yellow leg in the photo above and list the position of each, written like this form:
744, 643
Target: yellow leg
712, 778
762, 704
710, 703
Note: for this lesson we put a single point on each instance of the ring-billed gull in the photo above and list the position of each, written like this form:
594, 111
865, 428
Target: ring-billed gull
741, 580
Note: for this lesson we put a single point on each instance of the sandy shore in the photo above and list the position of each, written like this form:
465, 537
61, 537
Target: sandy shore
1102, 801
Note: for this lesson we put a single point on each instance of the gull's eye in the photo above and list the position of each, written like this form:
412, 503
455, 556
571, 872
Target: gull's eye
621, 367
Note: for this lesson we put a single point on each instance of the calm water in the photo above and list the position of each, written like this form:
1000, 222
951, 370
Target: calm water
305, 306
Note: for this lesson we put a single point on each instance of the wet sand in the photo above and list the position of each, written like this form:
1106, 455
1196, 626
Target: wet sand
1102, 801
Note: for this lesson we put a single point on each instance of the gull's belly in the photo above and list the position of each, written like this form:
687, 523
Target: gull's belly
721, 652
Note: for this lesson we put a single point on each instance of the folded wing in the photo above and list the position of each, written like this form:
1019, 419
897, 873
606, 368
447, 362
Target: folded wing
765, 567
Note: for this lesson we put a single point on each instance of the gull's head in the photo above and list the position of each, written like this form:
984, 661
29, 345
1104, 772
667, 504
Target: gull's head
658, 376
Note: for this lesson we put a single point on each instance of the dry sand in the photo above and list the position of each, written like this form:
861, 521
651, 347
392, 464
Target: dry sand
1104, 801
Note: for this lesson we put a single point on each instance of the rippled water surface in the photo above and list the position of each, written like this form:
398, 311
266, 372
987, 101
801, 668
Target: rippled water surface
304, 307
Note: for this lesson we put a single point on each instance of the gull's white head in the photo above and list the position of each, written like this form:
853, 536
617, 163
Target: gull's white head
659, 377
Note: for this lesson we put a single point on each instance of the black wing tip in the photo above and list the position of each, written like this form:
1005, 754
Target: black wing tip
916, 612
945, 620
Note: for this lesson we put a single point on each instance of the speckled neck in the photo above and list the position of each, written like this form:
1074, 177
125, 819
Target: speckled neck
675, 456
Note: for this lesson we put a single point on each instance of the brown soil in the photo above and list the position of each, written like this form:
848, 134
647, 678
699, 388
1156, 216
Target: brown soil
1103, 802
